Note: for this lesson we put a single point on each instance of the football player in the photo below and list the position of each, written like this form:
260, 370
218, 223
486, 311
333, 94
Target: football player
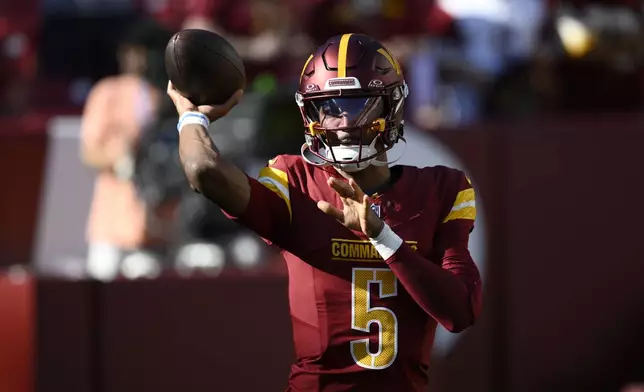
376, 255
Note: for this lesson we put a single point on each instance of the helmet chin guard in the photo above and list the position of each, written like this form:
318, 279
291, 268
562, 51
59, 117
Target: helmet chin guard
350, 153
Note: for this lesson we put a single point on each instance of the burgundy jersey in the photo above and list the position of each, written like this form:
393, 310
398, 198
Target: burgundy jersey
355, 327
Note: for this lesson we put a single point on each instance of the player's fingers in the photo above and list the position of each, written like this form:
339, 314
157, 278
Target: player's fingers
331, 210
172, 92
218, 111
234, 99
182, 103
366, 207
230, 103
343, 173
359, 194
341, 188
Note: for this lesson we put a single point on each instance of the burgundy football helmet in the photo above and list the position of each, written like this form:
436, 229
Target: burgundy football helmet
351, 96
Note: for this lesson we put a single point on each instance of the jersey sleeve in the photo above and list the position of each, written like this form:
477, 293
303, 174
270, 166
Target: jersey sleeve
462, 210
452, 237
269, 212
447, 285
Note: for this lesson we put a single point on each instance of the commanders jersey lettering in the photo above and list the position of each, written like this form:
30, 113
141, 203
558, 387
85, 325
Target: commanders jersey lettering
464, 206
277, 181
355, 250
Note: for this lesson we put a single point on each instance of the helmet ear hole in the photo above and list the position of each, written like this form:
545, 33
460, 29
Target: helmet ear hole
396, 94
393, 134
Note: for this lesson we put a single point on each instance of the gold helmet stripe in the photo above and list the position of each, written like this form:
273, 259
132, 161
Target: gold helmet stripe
304, 68
342, 55
391, 59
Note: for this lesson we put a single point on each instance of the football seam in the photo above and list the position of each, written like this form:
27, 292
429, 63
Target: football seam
227, 60
176, 57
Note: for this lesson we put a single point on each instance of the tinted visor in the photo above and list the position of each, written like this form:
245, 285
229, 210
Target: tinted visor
357, 110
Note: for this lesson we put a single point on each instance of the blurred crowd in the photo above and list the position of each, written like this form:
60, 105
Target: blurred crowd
465, 61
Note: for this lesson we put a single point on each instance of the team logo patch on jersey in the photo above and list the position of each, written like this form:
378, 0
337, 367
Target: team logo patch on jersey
376, 208
359, 251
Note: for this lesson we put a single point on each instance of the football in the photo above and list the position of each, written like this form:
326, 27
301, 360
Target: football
204, 67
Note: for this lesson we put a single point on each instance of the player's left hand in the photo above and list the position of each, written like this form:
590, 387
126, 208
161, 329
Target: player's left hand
356, 213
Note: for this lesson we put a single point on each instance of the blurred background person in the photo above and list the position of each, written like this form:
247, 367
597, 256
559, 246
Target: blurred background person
117, 110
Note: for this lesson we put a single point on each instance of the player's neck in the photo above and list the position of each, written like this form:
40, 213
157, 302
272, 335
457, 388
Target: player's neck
372, 177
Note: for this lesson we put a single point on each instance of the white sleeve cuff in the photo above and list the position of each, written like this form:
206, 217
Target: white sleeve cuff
193, 118
387, 242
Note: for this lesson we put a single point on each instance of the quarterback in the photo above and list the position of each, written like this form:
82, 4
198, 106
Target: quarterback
377, 255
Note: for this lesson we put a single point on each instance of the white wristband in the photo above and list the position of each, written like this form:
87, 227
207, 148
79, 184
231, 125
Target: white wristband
387, 242
193, 118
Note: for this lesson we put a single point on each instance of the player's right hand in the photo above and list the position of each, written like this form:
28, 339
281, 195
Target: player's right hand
214, 112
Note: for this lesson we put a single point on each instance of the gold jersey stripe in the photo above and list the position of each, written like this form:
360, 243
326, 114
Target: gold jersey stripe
464, 206
276, 174
277, 181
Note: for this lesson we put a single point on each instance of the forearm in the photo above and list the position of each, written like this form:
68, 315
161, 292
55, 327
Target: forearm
197, 151
439, 292
209, 174
442, 294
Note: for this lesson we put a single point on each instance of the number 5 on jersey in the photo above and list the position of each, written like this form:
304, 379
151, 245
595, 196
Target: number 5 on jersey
363, 315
